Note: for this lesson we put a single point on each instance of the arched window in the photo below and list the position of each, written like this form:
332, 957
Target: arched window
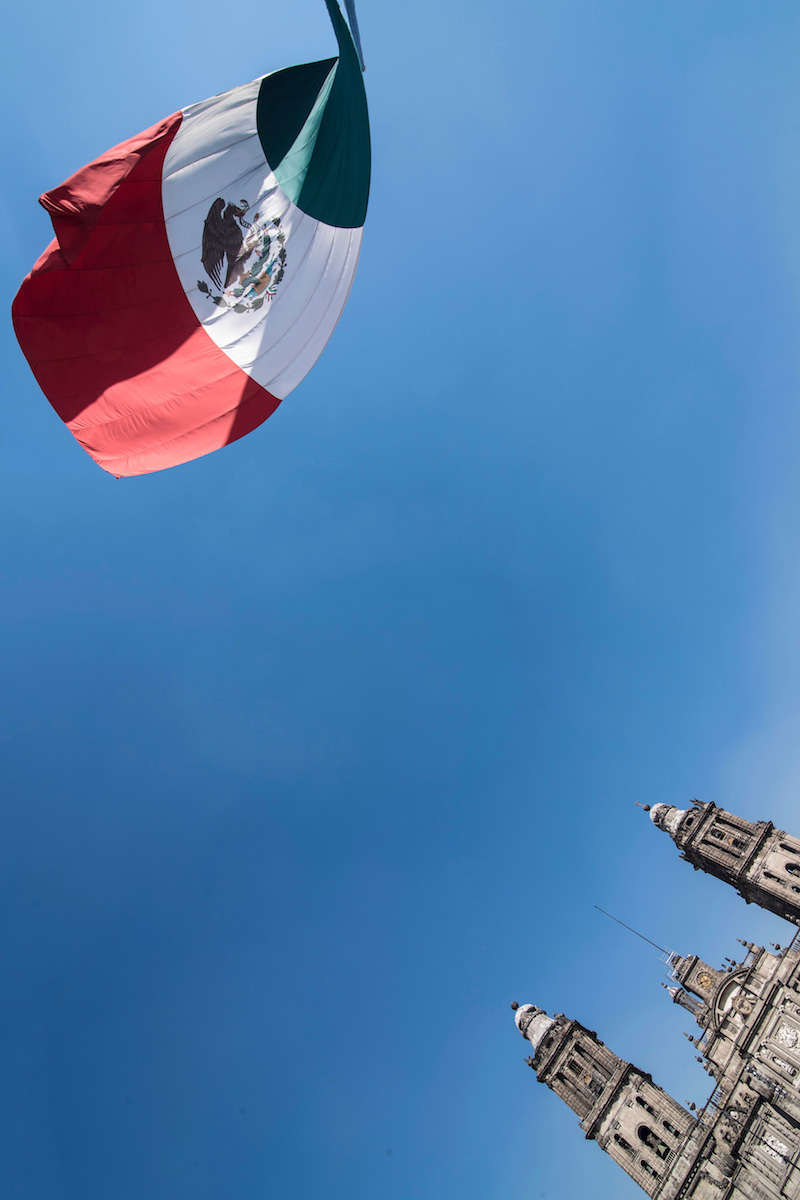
647, 1108
793, 868
650, 1170
623, 1145
652, 1141
671, 1129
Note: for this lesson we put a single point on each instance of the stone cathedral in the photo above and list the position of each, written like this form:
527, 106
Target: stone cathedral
745, 1143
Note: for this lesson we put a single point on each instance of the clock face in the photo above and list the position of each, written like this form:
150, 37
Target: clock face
704, 979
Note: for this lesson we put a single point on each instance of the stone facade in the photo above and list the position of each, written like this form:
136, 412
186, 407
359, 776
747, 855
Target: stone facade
749, 1039
745, 1143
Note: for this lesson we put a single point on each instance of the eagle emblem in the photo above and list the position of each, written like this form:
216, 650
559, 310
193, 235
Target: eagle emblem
245, 260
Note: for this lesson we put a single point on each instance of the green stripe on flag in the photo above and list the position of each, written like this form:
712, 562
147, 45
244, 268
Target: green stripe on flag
285, 100
314, 130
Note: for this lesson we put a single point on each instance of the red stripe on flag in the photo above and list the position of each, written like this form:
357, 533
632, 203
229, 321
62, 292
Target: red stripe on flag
110, 335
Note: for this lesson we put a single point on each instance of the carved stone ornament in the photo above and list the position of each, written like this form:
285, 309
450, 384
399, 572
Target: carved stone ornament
788, 1037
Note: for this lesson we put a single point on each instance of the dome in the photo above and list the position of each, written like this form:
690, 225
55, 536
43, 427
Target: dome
667, 817
533, 1023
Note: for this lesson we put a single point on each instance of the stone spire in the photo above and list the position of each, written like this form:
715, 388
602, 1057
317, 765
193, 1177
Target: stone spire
631, 1118
760, 861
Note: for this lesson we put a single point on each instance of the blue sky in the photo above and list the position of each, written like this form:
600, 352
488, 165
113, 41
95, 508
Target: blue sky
319, 751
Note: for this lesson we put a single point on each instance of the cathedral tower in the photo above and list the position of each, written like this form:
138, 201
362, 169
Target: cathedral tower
760, 861
631, 1118
744, 1143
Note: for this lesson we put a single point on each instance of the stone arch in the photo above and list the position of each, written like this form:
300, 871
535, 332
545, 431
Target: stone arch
653, 1142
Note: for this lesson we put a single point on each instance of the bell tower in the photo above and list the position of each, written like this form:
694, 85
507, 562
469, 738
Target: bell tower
642, 1128
760, 861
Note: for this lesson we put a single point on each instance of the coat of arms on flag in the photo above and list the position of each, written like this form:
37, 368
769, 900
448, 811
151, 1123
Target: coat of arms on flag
250, 254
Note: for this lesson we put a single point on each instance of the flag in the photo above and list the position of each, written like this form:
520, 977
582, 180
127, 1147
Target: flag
199, 269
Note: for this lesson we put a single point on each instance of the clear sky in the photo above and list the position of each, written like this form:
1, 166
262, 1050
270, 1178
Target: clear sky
319, 751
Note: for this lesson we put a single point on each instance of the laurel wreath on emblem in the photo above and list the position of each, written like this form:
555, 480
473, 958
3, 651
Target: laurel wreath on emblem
251, 255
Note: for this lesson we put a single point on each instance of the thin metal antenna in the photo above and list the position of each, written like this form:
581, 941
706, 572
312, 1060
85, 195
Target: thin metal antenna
632, 930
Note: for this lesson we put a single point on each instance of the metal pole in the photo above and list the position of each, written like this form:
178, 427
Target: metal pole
636, 931
353, 19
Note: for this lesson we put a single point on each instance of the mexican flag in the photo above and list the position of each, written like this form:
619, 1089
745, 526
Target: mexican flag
199, 269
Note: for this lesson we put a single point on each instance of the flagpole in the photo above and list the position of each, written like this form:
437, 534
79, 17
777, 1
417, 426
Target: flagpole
353, 19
